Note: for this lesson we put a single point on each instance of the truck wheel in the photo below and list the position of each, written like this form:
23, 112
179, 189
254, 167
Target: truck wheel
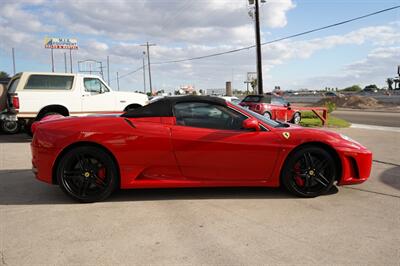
10, 127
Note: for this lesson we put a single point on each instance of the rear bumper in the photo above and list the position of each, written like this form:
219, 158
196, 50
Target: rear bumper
8, 117
356, 166
42, 163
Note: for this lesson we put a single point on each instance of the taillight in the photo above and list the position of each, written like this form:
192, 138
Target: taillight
15, 102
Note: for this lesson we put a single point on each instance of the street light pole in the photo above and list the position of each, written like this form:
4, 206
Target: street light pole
258, 48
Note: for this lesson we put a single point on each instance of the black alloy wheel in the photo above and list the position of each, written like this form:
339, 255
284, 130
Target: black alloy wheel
309, 172
87, 174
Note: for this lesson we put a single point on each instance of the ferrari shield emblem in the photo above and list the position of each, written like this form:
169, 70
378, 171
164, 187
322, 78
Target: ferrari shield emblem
286, 135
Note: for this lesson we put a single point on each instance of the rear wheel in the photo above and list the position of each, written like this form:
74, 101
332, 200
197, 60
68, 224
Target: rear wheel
296, 118
309, 172
87, 174
10, 127
267, 115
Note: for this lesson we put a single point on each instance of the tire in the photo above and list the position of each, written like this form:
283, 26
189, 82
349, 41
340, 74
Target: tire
267, 115
309, 172
296, 118
87, 174
10, 127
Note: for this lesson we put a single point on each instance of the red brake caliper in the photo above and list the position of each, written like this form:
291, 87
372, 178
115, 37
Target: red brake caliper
101, 173
299, 181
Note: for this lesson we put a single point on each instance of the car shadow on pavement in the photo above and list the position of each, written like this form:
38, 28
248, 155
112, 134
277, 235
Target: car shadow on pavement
391, 177
19, 187
16, 138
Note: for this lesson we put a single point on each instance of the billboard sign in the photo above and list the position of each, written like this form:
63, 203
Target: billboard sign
60, 43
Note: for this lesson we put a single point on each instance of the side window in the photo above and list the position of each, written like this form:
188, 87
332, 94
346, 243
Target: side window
49, 82
94, 85
279, 101
206, 115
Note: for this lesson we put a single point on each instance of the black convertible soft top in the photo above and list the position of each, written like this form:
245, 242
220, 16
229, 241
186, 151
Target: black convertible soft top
163, 107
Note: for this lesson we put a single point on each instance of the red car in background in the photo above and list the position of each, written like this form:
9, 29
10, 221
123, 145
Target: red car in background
192, 141
275, 108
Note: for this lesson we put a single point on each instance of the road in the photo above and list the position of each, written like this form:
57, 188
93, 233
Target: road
369, 118
39, 225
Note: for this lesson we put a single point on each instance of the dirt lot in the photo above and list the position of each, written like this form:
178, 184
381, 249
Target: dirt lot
354, 225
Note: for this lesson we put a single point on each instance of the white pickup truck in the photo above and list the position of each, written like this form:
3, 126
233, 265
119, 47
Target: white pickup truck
32, 96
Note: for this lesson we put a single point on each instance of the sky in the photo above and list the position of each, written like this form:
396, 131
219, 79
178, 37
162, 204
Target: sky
363, 52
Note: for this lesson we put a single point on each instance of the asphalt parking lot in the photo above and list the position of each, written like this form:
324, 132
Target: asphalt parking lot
353, 225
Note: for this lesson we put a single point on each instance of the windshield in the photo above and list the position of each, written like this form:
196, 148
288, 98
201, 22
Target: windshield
257, 99
264, 119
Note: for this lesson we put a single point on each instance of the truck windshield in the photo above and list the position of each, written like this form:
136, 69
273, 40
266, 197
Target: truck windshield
13, 86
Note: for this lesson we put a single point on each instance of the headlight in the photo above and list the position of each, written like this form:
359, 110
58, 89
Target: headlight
350, 139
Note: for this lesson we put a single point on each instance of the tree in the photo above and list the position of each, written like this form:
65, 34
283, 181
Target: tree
254, 84
371, 87
354, 88
390, 82
4, 75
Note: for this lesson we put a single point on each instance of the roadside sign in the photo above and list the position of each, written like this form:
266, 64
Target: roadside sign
60, 43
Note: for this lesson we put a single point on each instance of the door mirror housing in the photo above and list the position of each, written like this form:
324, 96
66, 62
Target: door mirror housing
288, 104
251, 123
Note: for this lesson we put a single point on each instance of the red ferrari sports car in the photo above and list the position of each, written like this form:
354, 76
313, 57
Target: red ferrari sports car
192, 141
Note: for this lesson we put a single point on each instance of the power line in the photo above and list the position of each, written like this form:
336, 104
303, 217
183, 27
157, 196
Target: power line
279, 39
269, 42
129, 73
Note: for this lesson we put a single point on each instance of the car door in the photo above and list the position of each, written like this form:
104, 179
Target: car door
210, 144
279, 105
96, 97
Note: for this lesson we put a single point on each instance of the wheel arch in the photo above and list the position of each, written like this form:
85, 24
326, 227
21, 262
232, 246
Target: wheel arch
132, 106
322, 145
83, 144
58, 108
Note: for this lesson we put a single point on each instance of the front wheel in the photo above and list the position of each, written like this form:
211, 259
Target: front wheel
87, 174
309, 172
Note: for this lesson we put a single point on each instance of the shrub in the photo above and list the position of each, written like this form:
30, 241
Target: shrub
331, 106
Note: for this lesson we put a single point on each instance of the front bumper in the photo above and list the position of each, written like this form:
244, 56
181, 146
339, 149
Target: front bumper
356, 166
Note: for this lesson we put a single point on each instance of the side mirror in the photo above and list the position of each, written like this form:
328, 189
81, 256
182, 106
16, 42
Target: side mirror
287, 104
251, 123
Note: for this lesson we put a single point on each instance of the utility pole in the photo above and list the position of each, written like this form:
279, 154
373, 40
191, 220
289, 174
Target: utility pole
117, 81
65, 62
70, 58
52, 60
258, 47
108, 70
13, 59
144, 73
148, 62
